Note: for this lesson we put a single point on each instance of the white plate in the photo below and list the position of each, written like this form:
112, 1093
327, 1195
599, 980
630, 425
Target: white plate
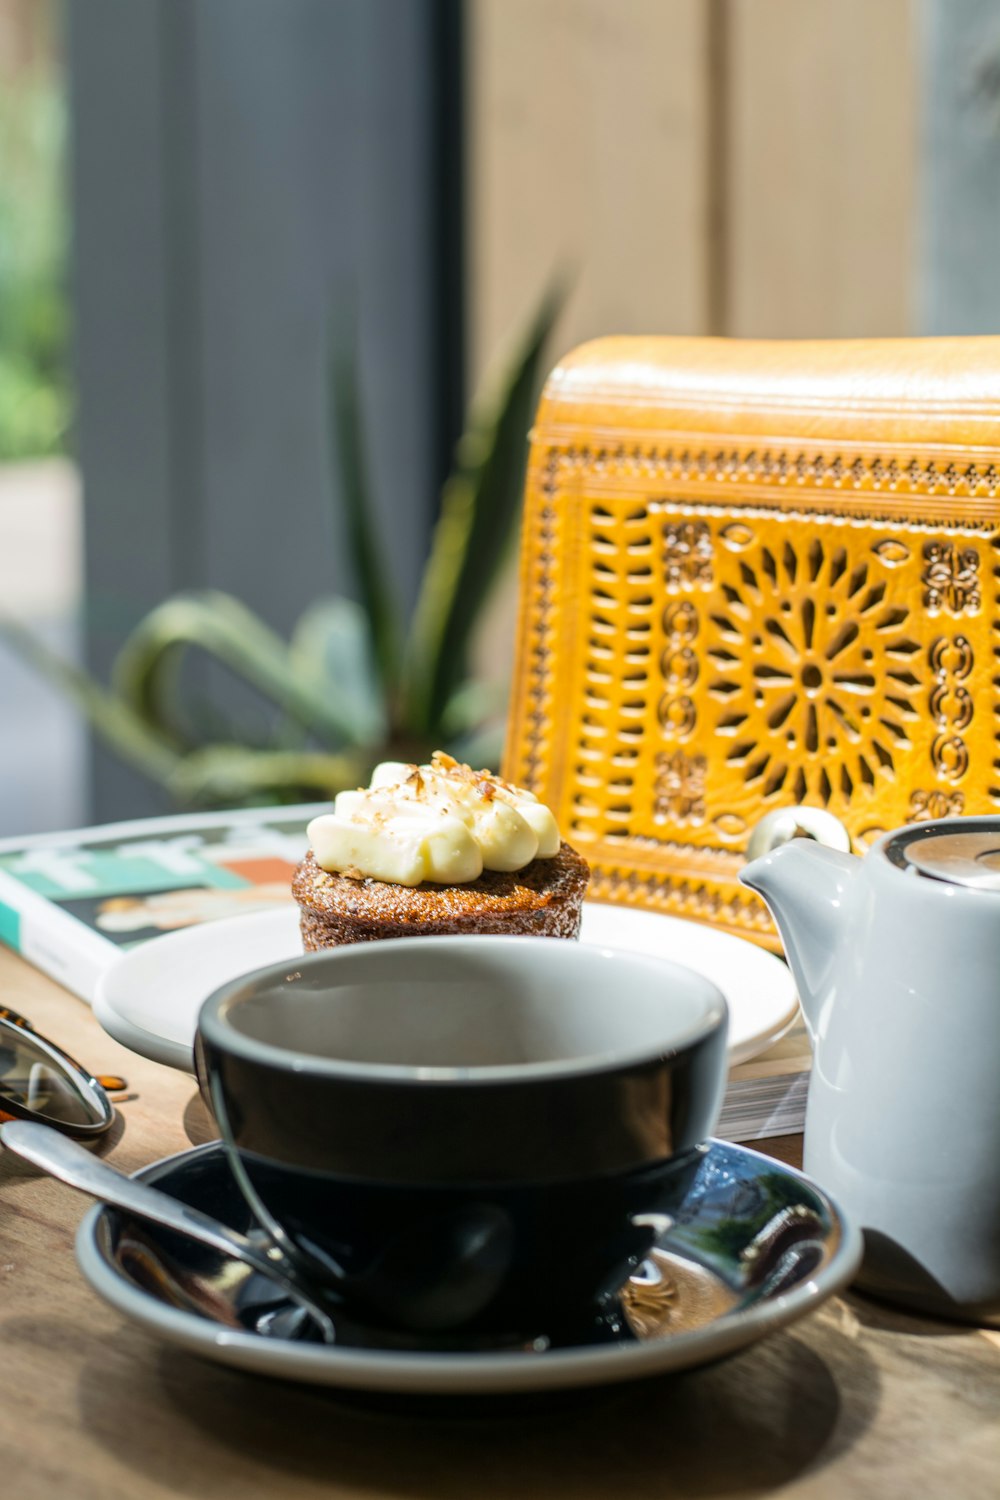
149, 1000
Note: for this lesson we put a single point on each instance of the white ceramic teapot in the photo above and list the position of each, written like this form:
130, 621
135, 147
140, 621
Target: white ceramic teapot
897, 962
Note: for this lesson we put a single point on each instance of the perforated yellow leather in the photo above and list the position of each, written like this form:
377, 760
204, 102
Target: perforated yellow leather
753, 575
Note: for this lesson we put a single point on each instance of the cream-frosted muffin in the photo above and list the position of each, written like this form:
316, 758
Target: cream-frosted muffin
437, 850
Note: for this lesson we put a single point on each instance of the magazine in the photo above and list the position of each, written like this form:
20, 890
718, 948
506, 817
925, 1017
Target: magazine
71, 902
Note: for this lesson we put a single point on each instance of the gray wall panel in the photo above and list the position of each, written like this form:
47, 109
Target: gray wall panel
959, 263
241, 169
121, 250
312, 159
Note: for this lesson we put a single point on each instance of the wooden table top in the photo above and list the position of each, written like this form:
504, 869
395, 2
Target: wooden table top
856, 1400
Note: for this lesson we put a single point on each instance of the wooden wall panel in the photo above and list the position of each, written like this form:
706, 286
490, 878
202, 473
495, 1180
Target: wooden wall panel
734, 166
587, 148
820, 165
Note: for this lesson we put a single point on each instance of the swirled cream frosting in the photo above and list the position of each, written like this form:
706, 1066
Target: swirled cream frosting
442, 822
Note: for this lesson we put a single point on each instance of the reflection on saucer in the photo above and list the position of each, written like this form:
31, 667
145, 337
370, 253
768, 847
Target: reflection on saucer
669, 1294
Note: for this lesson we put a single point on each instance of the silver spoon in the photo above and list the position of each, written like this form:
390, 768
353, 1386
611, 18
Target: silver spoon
73, 1164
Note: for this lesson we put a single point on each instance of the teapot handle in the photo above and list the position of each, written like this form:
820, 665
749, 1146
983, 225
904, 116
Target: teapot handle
787, 823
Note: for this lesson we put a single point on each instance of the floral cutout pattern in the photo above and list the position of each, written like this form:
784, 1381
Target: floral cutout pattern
817, 675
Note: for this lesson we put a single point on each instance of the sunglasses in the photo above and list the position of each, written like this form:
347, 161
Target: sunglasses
39, 1081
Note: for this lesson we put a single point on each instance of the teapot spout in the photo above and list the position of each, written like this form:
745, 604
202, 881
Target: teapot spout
805, 886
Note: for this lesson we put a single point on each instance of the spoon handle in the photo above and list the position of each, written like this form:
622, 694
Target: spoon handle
73, 1164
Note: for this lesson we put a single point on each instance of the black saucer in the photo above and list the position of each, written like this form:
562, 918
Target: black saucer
754, 1246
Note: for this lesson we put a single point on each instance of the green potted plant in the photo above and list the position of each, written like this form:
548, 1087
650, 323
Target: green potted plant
351, 686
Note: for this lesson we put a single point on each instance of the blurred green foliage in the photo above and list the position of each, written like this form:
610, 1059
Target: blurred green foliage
34, 305
355, 684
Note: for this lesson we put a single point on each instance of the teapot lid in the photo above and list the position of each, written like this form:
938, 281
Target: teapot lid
964, 851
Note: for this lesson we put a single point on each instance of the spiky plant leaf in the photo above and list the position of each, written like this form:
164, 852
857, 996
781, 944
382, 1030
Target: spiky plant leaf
482, 747
480, 506
348, 456
332, 644
114, 722
146, 669
474, 702
232, 775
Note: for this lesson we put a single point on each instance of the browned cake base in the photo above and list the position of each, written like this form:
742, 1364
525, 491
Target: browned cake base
545, 899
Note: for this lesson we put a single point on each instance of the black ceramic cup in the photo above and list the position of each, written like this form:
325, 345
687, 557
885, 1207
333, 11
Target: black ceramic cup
466, 1136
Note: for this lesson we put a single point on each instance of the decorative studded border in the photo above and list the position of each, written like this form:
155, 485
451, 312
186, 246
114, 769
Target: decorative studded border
680, 896
538, 715
769, 466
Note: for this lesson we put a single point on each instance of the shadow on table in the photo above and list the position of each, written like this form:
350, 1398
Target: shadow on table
199, 1127
877, 1313
749, 1424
